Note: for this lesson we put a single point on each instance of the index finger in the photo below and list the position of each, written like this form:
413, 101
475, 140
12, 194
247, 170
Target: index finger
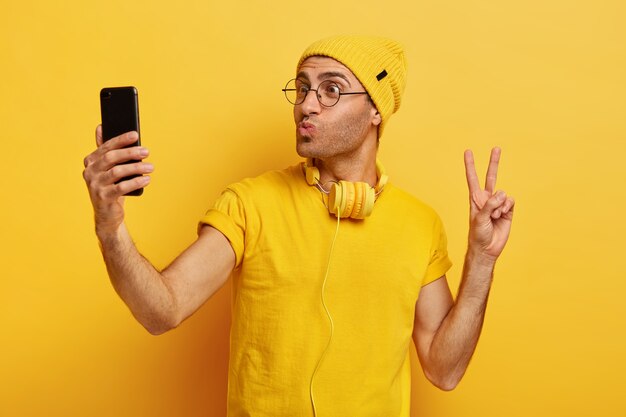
470, 172
492, 171
117, 142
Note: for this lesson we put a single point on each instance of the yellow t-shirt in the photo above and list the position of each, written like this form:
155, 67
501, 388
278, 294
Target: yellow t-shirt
281, 234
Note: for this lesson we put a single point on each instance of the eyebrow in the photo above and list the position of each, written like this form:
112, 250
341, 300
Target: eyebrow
326, 75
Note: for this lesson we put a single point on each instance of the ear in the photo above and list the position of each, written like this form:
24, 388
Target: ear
376, 118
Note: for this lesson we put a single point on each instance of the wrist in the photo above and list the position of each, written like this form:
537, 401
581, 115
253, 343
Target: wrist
108, 235
478, 257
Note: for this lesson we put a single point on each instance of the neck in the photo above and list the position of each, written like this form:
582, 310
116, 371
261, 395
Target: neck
353, 168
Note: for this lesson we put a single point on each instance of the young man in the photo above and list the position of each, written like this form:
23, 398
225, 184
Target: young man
334, 269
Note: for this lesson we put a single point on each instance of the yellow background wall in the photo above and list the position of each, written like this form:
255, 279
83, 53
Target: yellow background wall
542, 79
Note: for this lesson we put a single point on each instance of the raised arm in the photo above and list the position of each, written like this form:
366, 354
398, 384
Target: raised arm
446, 332
160, 301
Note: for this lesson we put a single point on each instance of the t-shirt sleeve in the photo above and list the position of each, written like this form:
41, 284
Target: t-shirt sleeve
228, 216
439, 261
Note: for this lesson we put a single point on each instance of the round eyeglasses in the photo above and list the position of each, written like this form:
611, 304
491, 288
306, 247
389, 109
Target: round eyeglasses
327, 93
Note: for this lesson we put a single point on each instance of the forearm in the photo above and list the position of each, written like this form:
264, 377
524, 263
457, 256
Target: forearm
447, 339
137, 282
455, 341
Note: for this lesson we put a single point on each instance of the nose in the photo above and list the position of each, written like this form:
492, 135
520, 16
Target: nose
311, 104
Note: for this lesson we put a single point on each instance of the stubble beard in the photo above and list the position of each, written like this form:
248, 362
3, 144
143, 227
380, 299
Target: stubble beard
338, 138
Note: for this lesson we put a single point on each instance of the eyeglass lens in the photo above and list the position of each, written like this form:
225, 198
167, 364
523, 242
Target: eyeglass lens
327, 92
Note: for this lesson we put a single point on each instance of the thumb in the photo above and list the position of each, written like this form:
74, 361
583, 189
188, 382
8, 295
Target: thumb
99, 140
493, 203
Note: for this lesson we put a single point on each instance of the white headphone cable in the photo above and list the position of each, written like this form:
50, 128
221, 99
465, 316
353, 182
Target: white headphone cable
332, 326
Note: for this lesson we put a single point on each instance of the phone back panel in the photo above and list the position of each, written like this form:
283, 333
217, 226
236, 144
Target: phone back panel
120, 111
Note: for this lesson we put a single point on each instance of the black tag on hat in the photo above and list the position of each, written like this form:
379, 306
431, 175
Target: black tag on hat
382, 75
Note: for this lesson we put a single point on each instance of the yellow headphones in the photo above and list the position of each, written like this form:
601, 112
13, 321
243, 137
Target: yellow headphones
348, 199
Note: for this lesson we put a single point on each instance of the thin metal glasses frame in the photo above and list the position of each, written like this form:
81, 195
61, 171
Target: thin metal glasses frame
317, 95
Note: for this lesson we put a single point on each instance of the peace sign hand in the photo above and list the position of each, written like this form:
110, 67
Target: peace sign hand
491, 213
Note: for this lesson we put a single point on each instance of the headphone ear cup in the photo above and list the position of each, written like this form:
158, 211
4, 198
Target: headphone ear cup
335, 196
358, 200
351, 199
369, 196
348, 198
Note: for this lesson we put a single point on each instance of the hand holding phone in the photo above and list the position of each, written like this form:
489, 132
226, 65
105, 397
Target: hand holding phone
115, 168
119, 108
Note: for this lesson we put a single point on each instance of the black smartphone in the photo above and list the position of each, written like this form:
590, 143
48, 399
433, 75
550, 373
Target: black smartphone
119, 107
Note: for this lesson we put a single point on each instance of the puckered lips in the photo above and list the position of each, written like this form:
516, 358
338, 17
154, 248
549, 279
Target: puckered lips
306, 128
